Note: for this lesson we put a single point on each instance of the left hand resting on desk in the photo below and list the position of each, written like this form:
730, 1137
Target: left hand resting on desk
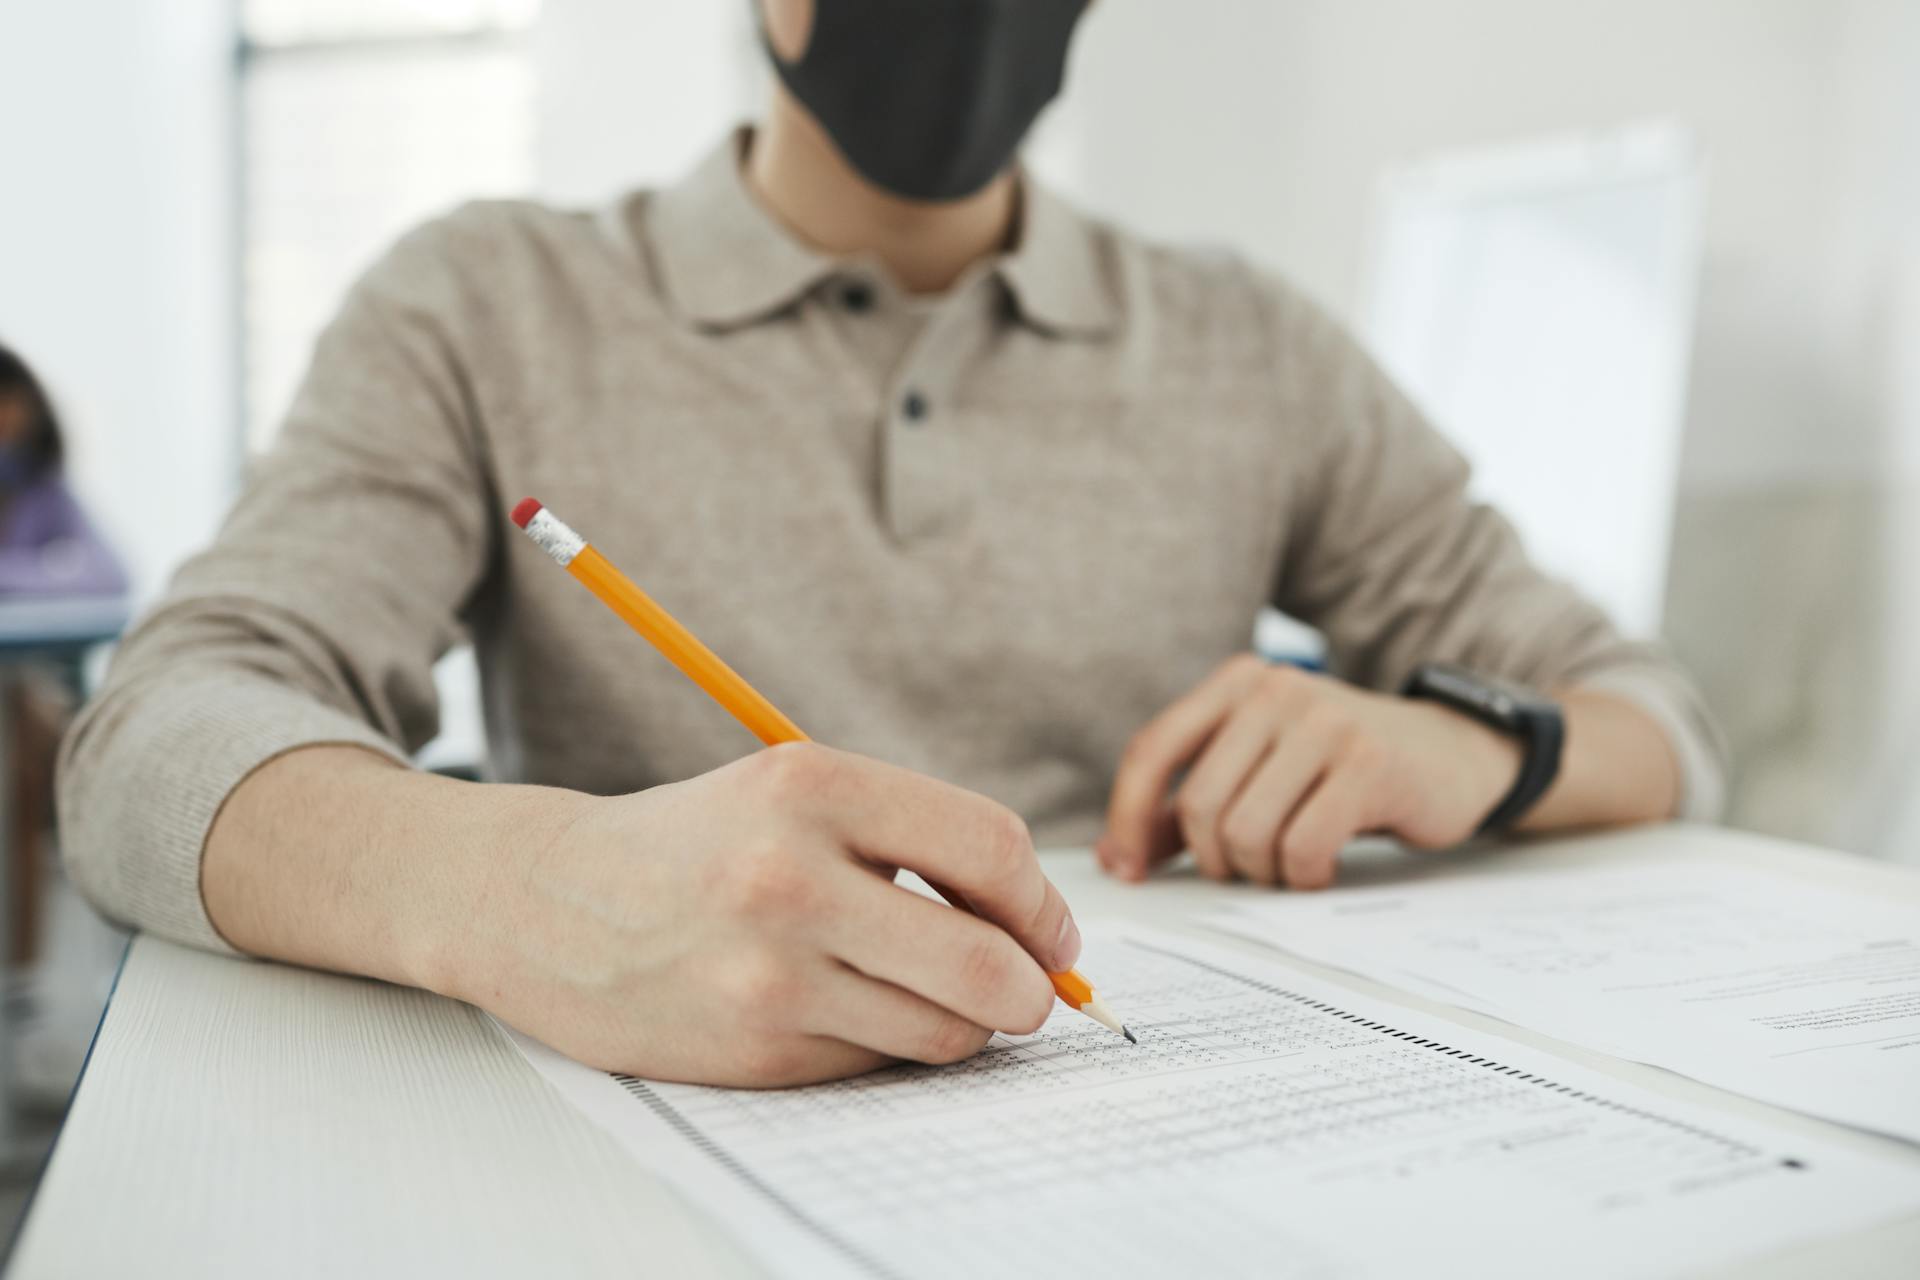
1284, 767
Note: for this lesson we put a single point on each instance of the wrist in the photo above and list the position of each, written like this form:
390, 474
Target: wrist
1619, 766
501, 832
1501, 757
1492, 759
1534, 727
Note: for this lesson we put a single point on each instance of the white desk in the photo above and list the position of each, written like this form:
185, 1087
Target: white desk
249, 1119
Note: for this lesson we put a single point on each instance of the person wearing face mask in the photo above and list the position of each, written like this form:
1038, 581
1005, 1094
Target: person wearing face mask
983, 491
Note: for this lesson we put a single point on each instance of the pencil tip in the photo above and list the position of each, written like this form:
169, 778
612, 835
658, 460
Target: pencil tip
1128, 1033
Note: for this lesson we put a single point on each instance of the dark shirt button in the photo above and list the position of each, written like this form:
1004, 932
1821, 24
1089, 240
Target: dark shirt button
913, 406
856, 298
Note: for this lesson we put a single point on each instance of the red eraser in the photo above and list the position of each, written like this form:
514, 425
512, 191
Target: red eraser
525, 510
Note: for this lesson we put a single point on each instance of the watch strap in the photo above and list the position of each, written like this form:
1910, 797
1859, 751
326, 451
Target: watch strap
1544, 735
1535, 721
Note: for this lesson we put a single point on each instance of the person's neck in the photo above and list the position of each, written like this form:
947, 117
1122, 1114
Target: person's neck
804, 182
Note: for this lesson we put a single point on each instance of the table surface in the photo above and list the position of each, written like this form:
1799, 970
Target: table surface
239, 1118
51, 622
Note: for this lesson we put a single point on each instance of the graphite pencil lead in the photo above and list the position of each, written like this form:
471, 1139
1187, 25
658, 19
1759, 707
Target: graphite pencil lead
1128, 1033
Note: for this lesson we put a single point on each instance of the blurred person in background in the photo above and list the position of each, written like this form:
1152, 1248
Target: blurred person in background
48, 550
48, 547
968, 481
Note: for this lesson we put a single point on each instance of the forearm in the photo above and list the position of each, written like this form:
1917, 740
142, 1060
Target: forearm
338, 858
1617, 766
726, 929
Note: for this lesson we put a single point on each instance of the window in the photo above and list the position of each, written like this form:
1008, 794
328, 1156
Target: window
361, 118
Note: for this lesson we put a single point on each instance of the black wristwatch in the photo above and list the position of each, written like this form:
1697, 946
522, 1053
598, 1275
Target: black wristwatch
1520, 713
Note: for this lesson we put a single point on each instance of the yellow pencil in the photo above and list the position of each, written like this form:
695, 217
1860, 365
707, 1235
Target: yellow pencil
721, 682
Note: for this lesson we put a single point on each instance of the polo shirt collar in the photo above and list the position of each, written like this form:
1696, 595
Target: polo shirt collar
1055, 271
727, 262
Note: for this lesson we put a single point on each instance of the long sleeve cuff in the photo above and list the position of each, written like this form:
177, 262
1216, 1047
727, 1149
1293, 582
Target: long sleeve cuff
1696, 740
146, 770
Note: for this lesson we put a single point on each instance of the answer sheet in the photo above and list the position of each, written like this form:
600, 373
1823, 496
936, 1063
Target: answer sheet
1267, 1124
1765, 985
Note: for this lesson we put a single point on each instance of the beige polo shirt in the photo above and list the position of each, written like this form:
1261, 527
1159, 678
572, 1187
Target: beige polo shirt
987, 536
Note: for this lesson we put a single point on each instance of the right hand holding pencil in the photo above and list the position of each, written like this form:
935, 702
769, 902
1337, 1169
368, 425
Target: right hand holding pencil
743, 927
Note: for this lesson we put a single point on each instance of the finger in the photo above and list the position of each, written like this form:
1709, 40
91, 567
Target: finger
871, 1014
1164, 843
1226, 762
1332, 814
1162, 749
1251, 828
972, 969
948, 835
787, 1061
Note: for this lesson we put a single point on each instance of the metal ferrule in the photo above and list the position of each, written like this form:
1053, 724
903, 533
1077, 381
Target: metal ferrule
554, 537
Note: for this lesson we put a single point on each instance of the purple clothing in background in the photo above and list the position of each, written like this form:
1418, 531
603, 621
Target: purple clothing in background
48, 547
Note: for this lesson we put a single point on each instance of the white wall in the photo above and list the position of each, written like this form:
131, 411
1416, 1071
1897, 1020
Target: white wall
633, 94
116, 254
1266, 123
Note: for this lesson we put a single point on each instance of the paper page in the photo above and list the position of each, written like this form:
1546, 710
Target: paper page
1800, 996
1267, 1124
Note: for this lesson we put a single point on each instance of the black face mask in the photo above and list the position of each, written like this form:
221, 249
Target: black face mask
929, 99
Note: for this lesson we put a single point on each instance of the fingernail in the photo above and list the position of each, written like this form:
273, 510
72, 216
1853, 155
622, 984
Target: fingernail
1066, 949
